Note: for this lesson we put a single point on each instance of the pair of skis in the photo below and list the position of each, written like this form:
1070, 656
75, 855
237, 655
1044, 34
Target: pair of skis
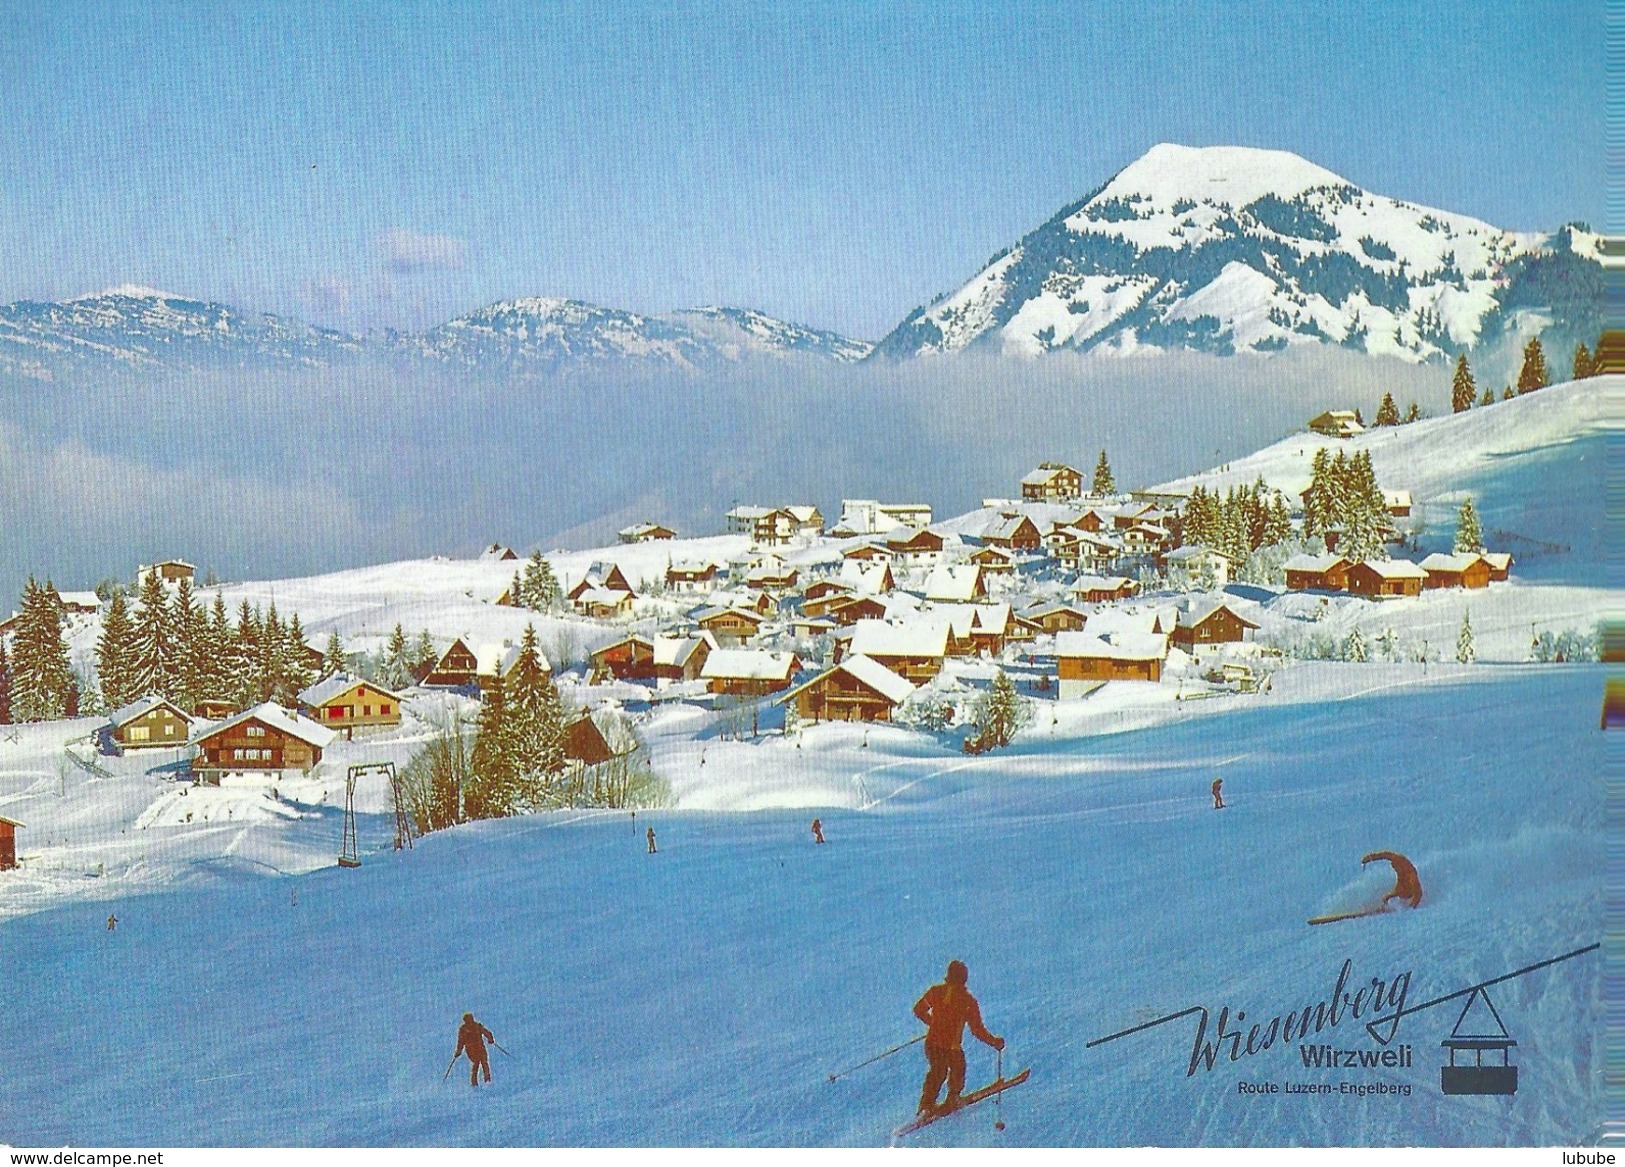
998, 1086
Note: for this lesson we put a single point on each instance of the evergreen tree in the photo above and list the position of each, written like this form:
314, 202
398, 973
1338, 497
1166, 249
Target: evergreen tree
539, 590
397, 668
1462, 388
1488, 398
1354, 648
491, 791
1000, 712
1362, 540
1414, 413
42, 686
1533, 374
1315, 521
186, 624
217, 653
152, 643
516, 592
245, 658
271, 664
333, 658
113, 651
424, 655
1582, 362
1506, 394
1469, 532
297, 670
533, 731
5, 684
1104, 483
1465, 652
1387, 412
1278, 523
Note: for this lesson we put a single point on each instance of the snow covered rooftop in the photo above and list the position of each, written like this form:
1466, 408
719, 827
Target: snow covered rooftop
1394, 568
1118, 646
1319, 564
748, 664
866, 671
922, 638
953, 581
142, 707
1451, 563
275, 717
337, 685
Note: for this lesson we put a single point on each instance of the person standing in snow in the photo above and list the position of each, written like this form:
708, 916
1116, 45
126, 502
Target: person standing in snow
471, 1039
652, 841
946, 1009
1218, 798
1407, 885
818, 831
112, 922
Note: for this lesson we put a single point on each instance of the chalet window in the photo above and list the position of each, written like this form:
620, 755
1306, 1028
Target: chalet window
334, 713
237, 755
170, 729
383, 710
255, 731
140, 733
366, 711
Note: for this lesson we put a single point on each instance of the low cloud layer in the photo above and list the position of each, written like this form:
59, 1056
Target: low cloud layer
410, 251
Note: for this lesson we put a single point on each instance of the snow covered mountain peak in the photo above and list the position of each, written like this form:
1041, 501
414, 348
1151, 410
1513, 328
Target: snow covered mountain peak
1230, 249
127, 292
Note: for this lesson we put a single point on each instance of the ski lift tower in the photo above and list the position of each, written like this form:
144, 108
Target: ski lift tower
1479, 1078
349, 856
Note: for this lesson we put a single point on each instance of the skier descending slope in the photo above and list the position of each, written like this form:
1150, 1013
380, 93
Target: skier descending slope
471, 1039
1407, 887
1218, 794
946, 1009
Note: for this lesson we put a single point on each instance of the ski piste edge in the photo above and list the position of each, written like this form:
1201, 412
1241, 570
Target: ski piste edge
1379, 911
998, 1086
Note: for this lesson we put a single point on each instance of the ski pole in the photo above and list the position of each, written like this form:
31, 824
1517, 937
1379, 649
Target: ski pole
450, 1064
498, 1044
998, 1099
876, 1058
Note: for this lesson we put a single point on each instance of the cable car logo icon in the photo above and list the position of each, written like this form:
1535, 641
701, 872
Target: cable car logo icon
1477, 1078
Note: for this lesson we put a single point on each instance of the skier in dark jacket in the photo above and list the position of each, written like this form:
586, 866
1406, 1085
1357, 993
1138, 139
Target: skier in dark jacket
471, 1039
652, 847
818, 831
1218, 798
946, 1009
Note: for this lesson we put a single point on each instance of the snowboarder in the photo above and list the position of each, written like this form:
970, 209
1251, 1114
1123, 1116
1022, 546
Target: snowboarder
112, 922
818, 831
946, 1009
471, 1039
1407, 887
1218, 798
652, 847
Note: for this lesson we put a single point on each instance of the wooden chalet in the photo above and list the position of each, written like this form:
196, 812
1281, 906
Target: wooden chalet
497, 553
645, 533
455, 667
1145, 539
1076, 550
1052, 482
1196, 565
8, 842
1397, 503
1500, 564
1013, 532
914, 651
848, 610
994, 560
692, 577
168, 570
1091, 520
151, 722
1056, 617
265, 739
1102, 589
602, 603
748, 672
1084, 660
916, 548
867, 553
681, 658
730, 626
601, 575
827, 586
1317, 573
857, 689
350, 703
632, 658
79, 603
1210, 624
585, 744
1378, 578
827, 597
871, 577
1336, 423
213, 708
775, 526
955, 583
807, 627
974, 628
772, 575
1455, 571
1141, 513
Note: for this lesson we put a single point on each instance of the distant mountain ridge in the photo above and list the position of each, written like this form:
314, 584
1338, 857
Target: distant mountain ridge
1233, 249
138, 328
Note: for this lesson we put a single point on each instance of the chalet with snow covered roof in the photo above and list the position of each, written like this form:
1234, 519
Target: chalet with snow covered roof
1456, 571
1145, 539
607, 576
1091, 520
631, 658
1102, 589
826, 586
867, 516
79, 603
453, 668
151, 722
914, 651
806, 522
955, 583
808, 627
1013, 532
264, 740
1336, 423
8, 842
1210, 623
602, 603
772, 575
168, 570
350, 703
848, 610
1397, 503
681, 658
974, 628
1052, 482
730, 626
645, 533
871, 577
867, 553
688, 578
1381, 578
856, 689
775, 526
1056, 617
916, 548
1076, 550
1317, 573
822, 596
1196, 565
1084, 661
748, 672
497, 553
994, 560
1500, 563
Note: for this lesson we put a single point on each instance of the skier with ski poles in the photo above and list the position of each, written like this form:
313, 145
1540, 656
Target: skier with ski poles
946, 1010
471, 1039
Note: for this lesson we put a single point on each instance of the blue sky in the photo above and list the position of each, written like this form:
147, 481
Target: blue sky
832, 164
